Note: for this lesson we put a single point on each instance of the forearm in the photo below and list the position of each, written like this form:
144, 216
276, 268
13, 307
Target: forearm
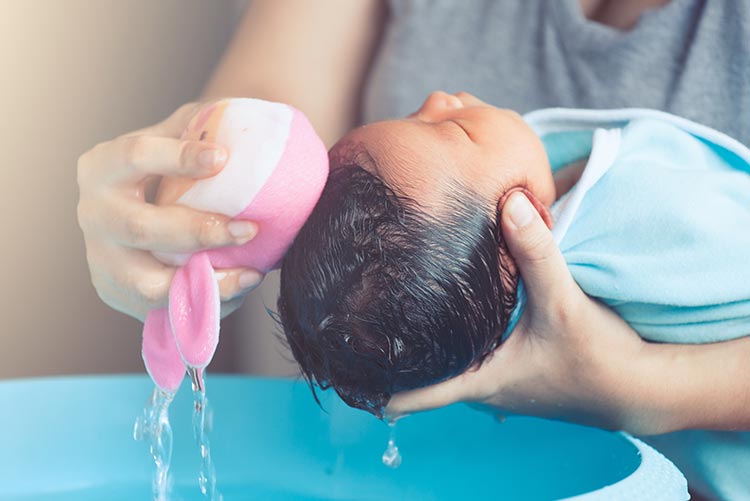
679, 387
310, 54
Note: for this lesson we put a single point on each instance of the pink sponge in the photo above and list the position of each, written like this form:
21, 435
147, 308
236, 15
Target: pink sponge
276, 170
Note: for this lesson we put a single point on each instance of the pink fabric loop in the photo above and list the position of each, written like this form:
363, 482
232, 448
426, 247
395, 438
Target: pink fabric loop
159, 351
194, 311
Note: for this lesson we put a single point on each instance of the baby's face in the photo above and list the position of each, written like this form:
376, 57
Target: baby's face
450, 139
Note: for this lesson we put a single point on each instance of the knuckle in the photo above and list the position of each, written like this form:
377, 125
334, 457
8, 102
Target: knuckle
136, 150
84, 165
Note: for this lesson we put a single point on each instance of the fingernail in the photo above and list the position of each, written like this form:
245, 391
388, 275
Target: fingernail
242, 230
249, 279
520, 209
212, 157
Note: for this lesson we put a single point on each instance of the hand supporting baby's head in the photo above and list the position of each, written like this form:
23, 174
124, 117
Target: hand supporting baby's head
400, 278
378, 296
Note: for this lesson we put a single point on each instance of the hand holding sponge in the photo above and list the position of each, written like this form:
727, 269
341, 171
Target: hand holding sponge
274, 175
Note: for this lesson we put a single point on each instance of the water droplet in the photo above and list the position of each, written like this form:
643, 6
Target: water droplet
138, 429
153, 426
392, 457
202, 418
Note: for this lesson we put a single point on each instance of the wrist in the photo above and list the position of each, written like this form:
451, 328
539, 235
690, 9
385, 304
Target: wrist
640, 387
648, 400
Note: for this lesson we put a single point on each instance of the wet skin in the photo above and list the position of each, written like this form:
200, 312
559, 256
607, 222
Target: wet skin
452, 139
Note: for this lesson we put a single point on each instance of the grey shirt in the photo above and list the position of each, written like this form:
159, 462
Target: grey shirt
690, 58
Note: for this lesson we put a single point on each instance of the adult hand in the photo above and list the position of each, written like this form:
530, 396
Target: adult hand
121, 228
569, 358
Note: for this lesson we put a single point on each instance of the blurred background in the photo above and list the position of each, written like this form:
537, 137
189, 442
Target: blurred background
79, 72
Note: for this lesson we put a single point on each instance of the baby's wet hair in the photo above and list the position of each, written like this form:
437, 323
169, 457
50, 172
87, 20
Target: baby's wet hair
378, 296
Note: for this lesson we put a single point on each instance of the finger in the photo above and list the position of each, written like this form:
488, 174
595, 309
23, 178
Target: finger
133, 283
169, 228
234, 283
430, 397
133, 158
534, 250
128, 280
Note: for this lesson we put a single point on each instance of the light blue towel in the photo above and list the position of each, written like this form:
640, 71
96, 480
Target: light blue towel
663, 236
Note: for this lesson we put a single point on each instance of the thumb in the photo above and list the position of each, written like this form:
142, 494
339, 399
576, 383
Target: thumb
534, 250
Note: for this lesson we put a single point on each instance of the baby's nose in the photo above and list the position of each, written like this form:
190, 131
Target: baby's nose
437, 104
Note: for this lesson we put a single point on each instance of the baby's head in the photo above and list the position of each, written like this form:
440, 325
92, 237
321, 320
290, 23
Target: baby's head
400, 277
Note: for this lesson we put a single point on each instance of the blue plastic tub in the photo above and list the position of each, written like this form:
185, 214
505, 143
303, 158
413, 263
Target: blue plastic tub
71, 439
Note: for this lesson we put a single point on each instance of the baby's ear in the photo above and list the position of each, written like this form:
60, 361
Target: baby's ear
542, 209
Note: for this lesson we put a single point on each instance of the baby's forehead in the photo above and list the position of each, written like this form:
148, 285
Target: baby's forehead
397, 164
422, 162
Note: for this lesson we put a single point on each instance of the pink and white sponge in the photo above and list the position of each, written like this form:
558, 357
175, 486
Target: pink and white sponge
274, 175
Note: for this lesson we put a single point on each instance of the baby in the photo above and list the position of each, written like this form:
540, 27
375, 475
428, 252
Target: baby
400, 278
